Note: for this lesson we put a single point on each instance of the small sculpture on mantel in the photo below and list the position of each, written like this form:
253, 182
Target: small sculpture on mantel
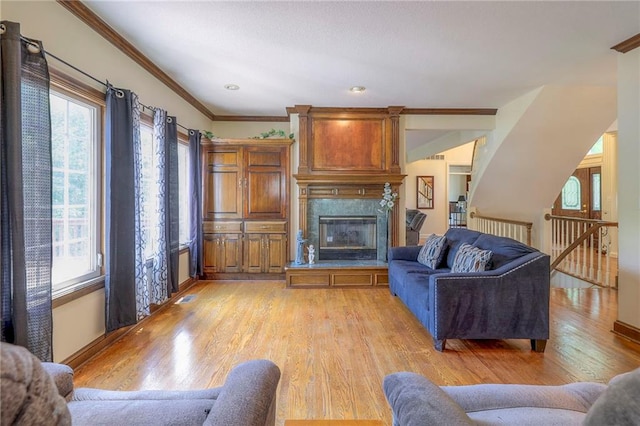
299, 248
312, 254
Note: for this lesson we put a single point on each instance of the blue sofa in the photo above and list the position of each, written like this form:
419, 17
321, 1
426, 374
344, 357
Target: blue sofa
508, 300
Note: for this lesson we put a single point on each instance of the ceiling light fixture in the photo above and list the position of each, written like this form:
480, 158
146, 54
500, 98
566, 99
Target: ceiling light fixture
232, 87
357, 89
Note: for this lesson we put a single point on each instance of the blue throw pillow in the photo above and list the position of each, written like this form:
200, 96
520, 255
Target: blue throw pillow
432, 253
470, 259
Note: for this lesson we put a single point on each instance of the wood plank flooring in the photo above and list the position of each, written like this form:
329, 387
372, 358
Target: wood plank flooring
334, 347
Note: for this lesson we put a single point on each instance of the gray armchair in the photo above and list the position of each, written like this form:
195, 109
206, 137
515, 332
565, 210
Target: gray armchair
43, 393
415, 219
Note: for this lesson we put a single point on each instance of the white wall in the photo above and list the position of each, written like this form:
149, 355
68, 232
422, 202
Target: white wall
78, 323
629, 187
457, 186
437, 221
549, 131
246, 129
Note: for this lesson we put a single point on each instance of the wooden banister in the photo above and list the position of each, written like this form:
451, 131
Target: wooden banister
526, 225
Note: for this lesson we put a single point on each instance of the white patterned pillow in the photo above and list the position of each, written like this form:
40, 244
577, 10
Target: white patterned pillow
432, 252
470, 259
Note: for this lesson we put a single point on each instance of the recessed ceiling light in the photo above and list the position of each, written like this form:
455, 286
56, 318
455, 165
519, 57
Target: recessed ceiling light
232, 87
358, 89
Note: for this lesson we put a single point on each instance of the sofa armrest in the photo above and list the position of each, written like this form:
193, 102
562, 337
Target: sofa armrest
62, 376
415, 401
248, 397
578, 396
510, 302
404, 253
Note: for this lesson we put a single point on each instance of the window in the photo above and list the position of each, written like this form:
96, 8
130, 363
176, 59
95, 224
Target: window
595, 192
75, 189
597, 147
571, 194
150, 187
184, 171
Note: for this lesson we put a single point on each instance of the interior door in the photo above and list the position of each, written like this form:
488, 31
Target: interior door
581, 195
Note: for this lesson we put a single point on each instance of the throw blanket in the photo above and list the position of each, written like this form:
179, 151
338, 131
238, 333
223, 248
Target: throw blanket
28, 394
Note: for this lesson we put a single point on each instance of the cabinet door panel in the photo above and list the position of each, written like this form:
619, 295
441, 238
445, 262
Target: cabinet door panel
223, 180
276, 253
253, 253
223, 199
232, 253
261, 157
265, 194
209, 252
266, 170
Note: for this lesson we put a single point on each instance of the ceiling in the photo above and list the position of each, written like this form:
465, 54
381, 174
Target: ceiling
423, 54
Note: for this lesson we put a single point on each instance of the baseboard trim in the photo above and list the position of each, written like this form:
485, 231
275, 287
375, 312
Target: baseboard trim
87, 352
628, 331
103, 342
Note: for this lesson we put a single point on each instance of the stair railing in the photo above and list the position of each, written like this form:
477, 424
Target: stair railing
519, 231
582, 248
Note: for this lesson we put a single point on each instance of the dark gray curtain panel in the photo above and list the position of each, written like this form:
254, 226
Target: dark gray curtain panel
120, 294
25, 187
195, 231
172, 228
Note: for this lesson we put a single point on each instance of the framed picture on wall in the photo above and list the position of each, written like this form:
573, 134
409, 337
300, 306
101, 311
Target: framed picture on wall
424, 192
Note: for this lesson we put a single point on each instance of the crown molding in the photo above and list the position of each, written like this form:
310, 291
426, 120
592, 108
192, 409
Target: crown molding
398, 110
450, 111
269, 118
627, 45
92, 20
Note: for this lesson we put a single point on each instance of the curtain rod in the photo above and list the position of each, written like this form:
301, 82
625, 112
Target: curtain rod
34, 48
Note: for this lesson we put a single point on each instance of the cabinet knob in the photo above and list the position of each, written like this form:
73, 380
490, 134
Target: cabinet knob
263, 227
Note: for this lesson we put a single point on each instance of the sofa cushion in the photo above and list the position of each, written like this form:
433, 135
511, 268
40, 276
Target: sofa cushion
143, 412
470, 259
504, 249
432, 252
619, 404
455, 237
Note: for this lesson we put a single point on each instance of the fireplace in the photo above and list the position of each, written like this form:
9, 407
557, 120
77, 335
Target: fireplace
346, 229
347, 238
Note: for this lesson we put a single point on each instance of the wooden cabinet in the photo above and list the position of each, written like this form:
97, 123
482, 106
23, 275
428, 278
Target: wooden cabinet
266, 247
222, 247
245, 182
245, 206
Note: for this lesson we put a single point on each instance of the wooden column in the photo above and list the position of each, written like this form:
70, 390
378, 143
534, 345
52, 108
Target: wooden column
394, 116
305, 136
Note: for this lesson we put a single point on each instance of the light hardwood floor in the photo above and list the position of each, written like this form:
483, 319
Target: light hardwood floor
334, 347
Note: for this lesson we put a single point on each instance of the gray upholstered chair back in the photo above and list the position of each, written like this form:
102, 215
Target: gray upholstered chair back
415, 219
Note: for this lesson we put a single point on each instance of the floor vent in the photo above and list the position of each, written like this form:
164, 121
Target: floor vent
186, 299
435, 157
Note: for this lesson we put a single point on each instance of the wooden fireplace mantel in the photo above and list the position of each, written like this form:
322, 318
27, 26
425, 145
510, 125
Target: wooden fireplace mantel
348, 153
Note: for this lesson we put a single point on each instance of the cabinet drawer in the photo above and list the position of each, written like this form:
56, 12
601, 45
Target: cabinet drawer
265, 227
209, 227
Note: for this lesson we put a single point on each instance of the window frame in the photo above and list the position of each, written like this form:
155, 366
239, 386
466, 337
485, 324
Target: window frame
183, 139
71, 88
